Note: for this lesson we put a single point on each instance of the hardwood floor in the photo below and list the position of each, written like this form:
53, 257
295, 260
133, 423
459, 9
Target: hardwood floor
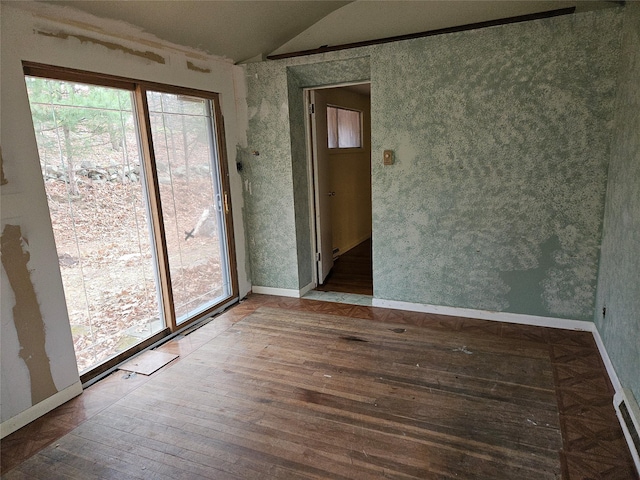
292, 388
352, 272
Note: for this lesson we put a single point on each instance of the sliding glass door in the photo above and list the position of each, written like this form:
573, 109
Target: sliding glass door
136, 182
90, 161
184, 145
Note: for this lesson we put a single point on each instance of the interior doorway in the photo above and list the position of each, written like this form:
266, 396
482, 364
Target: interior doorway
340, 152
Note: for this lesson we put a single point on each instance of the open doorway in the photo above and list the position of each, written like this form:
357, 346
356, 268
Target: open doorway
340, 140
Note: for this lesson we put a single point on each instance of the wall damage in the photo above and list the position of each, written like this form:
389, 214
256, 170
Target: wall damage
154, 57
27, 316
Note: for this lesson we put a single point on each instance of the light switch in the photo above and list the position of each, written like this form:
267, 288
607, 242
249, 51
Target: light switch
388, 157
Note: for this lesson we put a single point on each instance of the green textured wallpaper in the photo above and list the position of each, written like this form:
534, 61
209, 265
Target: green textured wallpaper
268, 180
300, 181
279, 215
619, 278
501, 137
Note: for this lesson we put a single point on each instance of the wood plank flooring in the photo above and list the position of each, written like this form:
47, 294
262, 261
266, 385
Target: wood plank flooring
294, 388
352, 272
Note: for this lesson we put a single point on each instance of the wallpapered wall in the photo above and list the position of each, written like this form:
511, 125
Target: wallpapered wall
276, 114
619, 279
501, 138
270, 222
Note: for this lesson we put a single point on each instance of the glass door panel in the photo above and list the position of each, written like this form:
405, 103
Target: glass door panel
187, 165
142, 226
90, 160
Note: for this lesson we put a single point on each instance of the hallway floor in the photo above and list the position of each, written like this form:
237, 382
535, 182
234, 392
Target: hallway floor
352, 272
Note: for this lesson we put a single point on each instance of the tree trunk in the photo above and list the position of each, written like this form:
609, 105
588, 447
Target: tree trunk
185, 150
71, 171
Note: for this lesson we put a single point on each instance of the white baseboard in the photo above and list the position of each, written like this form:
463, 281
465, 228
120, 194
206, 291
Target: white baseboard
621, 393
280, 292
305, 290
36, 411
283, 292
488, 315
615, 381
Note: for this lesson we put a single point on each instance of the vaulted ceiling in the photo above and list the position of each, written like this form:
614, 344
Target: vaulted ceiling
250, 30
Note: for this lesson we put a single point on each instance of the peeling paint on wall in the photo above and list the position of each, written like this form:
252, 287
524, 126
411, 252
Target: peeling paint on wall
195, 68
27, 317
154, 57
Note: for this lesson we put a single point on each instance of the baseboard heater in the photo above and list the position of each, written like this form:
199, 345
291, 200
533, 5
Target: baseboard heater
629, 415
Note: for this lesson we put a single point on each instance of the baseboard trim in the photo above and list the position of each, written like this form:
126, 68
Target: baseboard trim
608, 364
280, 292
621, 393
283, 292
519, 318
306, 289
29, 415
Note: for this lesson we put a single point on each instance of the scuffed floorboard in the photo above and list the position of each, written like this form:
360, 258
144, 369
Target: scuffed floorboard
294, 388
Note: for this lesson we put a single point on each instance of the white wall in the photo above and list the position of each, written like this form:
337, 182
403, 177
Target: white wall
23, 197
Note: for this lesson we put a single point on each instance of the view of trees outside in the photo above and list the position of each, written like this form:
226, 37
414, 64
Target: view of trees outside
90, 158
184, 150
90, 161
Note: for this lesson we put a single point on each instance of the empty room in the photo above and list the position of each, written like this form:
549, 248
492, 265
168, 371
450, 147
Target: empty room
320, 239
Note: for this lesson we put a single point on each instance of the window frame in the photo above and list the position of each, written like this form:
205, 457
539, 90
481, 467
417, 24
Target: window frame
139, 89
338, 149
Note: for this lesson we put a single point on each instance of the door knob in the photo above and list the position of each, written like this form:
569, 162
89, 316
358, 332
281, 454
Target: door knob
332, 194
